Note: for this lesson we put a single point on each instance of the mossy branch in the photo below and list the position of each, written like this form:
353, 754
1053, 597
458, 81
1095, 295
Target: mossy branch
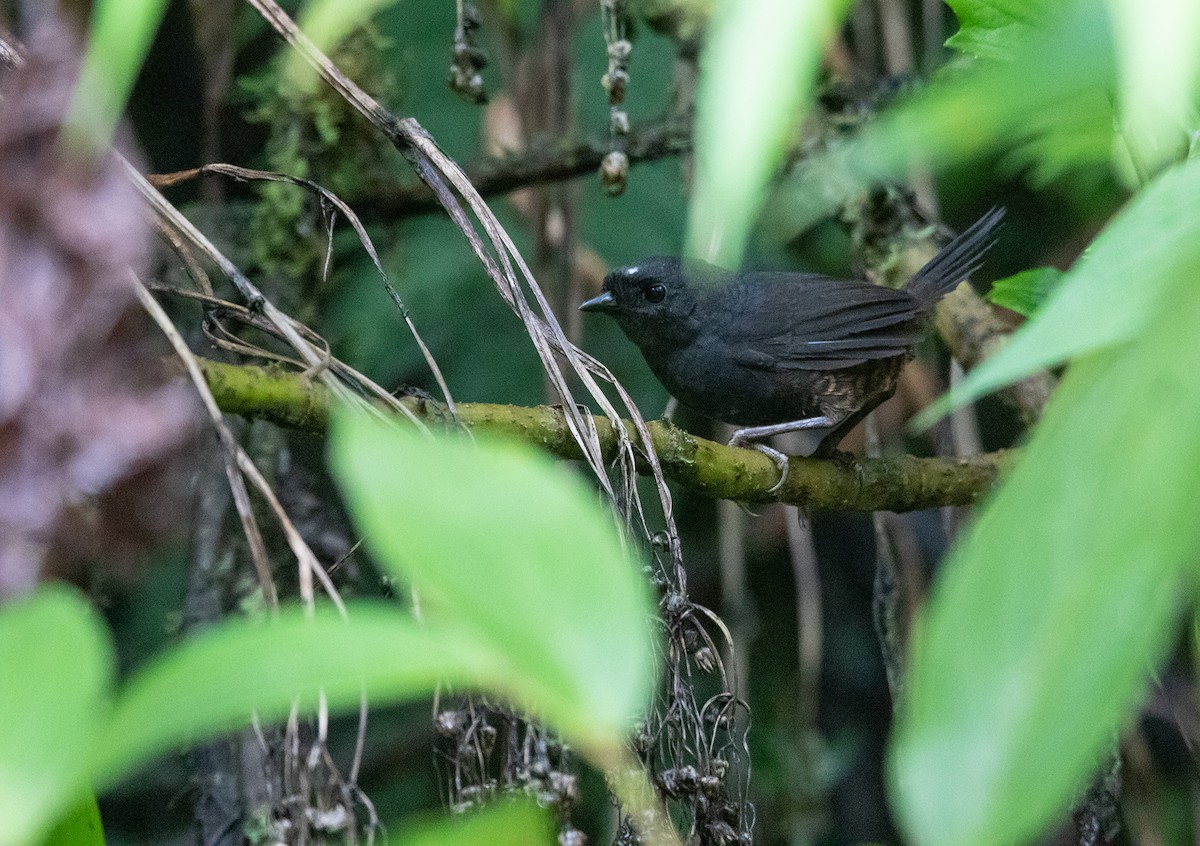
902, 483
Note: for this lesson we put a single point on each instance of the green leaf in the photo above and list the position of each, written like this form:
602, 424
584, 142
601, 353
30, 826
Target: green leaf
1046, 110
1024, 292
1048, 619
517, 553
1158, 57
56, 664
327, 22
758, 67
119, 40
1109, 296
215, 682
513, 824
998, 29
80, 827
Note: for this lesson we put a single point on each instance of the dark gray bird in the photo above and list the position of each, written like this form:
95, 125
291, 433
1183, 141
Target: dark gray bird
776, 351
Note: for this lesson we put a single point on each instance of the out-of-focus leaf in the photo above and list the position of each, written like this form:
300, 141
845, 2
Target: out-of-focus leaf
56, 667
1024, 292
80, 827
516, 824
1158, 59
120, 37
326, 22
216, 681
516, 552
1047, 110
997, 29
1050, 616
1111, 293
757, 69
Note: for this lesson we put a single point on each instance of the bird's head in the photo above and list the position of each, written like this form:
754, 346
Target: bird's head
655, 300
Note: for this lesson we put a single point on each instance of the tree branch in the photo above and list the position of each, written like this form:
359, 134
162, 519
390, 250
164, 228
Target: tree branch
540, 163
902, 483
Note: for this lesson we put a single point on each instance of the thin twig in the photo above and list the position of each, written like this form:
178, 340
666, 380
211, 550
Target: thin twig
230, 447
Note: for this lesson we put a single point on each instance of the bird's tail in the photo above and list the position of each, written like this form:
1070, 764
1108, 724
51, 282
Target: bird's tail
956, 261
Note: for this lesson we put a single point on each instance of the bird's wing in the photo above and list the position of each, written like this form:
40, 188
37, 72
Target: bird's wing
784, 321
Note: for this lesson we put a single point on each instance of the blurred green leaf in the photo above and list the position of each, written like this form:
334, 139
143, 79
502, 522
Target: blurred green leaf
216, 681
1048, 619
119, 40
1109, 296
57, 666
1158, 58
80, 827
326, 23
515, 551
1046, 109
996, 29
1024, 292
513, 824
756, 73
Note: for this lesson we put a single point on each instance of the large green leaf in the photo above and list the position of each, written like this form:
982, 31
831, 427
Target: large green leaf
997, 29
81, 825
218, 680
1046, 110
1158, 55
1111, 293
515, 551
1040, 636
759, 64
56, 668
1025, 292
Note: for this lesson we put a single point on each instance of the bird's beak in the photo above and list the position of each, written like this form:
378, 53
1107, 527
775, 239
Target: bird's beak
604, 302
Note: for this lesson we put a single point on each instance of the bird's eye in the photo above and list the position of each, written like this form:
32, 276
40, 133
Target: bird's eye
656, 293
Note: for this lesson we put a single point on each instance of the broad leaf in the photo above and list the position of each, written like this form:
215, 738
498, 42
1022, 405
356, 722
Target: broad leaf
117, 44
758, 67
516, 552
1158, 56
217, 681
80, 827
1111, 293
1025, 292
1049, 618
998, 29
56, 668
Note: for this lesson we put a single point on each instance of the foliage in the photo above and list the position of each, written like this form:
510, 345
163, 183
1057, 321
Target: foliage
1050, 616
1024, 292
513, 607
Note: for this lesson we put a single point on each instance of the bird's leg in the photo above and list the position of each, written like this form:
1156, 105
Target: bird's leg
750, 435
828, 446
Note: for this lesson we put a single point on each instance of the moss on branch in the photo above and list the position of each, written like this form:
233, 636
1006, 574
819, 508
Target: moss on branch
901, 483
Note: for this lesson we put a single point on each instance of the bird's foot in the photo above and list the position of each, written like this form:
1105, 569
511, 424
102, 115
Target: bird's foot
781, 461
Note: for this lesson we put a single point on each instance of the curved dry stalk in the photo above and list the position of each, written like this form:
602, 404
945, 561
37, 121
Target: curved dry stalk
239, 466
229, 445
436, 170
243, 174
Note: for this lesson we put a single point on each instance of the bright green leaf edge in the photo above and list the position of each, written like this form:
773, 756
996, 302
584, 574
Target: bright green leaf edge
216, 681
1107, 297
1025, 292
56, 656
1049, 618
516, 552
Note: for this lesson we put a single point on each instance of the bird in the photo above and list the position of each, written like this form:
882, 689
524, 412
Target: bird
779, 351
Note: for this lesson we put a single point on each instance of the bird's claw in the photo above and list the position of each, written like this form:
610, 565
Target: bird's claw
781, 460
